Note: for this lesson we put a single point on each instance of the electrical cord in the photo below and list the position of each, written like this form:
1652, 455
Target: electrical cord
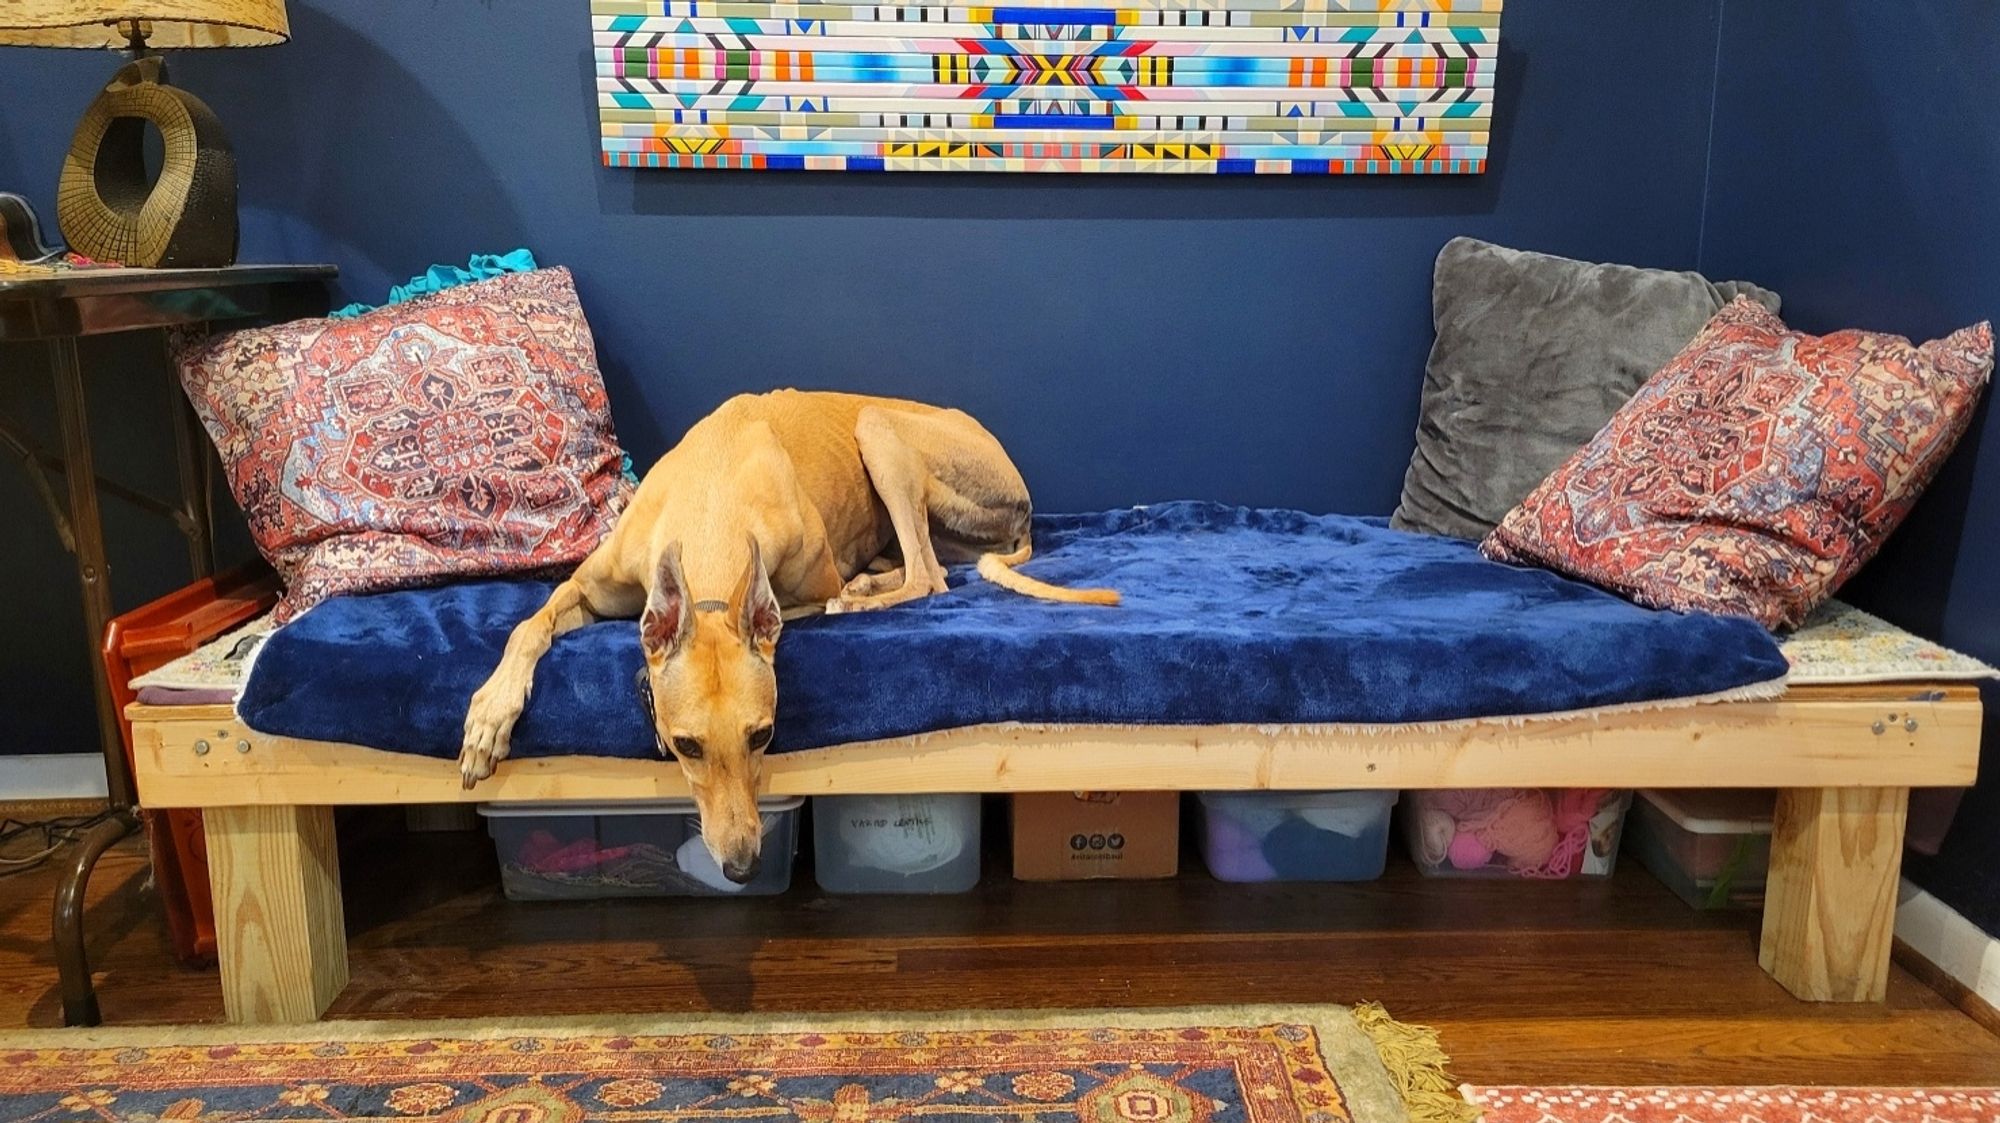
51, 835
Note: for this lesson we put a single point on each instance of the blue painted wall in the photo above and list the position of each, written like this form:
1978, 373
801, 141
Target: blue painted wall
1258, 342
1128, 339
1856, 168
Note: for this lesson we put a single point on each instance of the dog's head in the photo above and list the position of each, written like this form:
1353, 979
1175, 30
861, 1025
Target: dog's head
713, 697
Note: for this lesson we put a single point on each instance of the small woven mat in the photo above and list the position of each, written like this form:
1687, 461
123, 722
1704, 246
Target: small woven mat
1840, 643
220, 664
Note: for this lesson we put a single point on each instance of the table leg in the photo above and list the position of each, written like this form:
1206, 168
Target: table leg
79, 995
92, 571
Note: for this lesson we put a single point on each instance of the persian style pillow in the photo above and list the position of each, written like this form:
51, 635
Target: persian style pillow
462, 434
1757, 471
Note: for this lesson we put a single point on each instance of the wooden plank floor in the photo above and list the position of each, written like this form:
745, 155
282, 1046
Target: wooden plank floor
1613, 982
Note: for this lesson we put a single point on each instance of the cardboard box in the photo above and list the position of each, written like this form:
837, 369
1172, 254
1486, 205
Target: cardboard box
1076, 836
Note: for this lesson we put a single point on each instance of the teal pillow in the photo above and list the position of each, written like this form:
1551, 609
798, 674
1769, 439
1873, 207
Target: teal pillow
441, 277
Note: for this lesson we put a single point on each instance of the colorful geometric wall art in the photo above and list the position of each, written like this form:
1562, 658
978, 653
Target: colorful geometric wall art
1283, 87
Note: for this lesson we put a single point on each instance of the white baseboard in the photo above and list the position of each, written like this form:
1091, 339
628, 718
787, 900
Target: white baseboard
1956, 945
52, 776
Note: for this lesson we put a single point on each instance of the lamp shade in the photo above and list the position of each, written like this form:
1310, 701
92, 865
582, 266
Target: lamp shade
171, 24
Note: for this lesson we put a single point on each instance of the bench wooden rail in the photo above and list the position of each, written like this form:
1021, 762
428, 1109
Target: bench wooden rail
1846, 758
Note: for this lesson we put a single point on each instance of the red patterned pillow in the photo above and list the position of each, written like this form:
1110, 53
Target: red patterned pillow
464, 433
1757, 470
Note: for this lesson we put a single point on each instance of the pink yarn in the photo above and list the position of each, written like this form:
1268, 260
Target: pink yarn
1531, 832
1468, 813
1573, 810
1523, 830
1466, 852
1576, 807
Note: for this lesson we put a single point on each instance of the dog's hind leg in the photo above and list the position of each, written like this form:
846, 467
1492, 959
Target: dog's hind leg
939, 467
497, 705
874, 581
882, 574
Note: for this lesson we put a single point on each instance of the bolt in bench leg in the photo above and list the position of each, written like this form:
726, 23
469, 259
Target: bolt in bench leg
1830, 904
280, 936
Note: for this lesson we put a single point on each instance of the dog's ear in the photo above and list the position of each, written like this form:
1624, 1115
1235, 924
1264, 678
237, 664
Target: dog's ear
669, 616
754, 607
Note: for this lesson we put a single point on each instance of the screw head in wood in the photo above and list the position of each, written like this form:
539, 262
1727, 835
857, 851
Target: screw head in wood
1910, 726
242, 746
201, 748
1879, 728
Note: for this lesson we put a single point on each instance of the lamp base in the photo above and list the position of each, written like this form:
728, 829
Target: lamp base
105, 206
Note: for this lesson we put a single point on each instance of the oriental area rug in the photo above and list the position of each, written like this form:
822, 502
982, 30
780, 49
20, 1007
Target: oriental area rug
1219, 1065
1737, 1105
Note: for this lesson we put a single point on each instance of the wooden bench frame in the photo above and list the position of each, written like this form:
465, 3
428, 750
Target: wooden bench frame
1844, 757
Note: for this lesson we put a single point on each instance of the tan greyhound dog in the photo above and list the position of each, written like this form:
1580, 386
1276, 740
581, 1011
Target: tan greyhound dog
774, 506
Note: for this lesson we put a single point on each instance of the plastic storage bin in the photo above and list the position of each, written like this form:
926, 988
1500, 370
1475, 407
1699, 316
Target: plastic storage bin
896, 843
575, 852
1711, 846
1540, 833
1295, 836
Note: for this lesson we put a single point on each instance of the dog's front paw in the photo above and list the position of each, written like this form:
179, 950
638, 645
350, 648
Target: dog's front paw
836, 606
489, 726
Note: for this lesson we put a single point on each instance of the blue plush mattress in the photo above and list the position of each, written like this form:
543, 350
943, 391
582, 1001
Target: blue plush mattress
1231, 616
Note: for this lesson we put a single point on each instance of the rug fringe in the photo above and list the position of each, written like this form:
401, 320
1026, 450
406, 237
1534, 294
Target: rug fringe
1416, 1065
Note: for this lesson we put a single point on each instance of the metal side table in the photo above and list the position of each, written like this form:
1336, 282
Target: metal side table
54, 311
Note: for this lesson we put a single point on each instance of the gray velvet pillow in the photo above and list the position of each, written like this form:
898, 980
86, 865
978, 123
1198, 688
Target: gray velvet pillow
1533, 355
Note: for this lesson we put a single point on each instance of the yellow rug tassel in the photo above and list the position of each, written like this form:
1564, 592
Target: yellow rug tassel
1417, 1066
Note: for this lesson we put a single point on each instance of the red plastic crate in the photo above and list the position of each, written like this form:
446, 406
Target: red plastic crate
148, 638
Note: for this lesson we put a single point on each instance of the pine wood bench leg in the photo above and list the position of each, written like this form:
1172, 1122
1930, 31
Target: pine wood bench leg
280, 935
1830, 903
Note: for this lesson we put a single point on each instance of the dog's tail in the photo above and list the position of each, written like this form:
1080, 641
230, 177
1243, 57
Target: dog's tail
999, 569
